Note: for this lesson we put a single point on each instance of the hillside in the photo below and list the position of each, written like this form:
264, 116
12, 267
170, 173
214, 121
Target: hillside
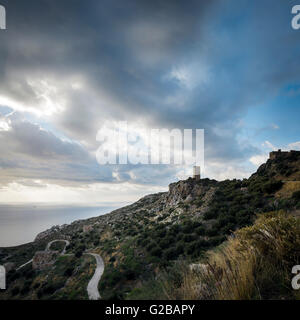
142, 241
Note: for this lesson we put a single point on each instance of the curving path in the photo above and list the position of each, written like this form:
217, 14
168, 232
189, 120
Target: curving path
48, 249
25, 264
92, 287
59, 240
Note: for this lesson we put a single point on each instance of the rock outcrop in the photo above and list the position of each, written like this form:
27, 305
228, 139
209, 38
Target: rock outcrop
186, 191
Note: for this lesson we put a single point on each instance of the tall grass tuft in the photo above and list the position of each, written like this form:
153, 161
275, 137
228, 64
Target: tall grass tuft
255, 263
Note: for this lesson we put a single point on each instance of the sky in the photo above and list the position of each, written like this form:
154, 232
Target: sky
67, 68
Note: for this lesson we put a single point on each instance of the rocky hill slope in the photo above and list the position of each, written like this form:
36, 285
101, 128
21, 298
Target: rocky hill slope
139, 241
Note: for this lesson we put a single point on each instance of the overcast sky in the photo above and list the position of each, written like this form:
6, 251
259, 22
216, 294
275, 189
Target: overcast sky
230, 67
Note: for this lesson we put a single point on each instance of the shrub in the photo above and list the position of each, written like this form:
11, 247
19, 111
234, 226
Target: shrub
69, 272
200, 231
180, 236
113, 278
96, 242
174, 229
161, 233
13, 275
188, 238
272, 186
156, 251
25, 288
198, 202
49, 289
144, 242
78, 253
191, 248
202, 243
254, 264
15, 291
187, 227
170, 254
211, 214
129, 274
36, 285
112, 259
150, 246
179, 248
212, 232
296, 195
29, 274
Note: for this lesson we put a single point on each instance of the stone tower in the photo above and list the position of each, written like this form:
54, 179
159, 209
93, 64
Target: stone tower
196, 172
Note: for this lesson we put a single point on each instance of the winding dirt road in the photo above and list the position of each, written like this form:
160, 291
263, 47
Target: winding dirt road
59, 240
25, 264
92, 287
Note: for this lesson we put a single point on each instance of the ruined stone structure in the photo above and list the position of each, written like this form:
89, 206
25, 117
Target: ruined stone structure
44, 259
276, 154
87, 228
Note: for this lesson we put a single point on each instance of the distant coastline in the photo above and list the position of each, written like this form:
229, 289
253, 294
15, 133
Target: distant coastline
20, 223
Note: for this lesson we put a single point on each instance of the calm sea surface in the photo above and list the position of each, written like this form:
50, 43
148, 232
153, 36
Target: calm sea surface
20, 224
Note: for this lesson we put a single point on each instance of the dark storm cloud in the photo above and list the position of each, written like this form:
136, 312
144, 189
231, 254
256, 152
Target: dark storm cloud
185, 64
118, 47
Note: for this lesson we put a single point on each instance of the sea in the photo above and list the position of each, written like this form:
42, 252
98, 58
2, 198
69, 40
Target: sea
20, 224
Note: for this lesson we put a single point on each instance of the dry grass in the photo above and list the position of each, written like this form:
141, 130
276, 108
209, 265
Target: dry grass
255, 264
288, 189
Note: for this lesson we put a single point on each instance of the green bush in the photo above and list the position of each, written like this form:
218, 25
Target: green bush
200, 231
12, 275
36, 285
179, 248
272, 186
69, 271
188, 237
150, 246
296, 195
26, 287
211, 214
112, 259
156, 251
212, 232
78, 253
170, 254
15, 291
191, 248
96, 242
